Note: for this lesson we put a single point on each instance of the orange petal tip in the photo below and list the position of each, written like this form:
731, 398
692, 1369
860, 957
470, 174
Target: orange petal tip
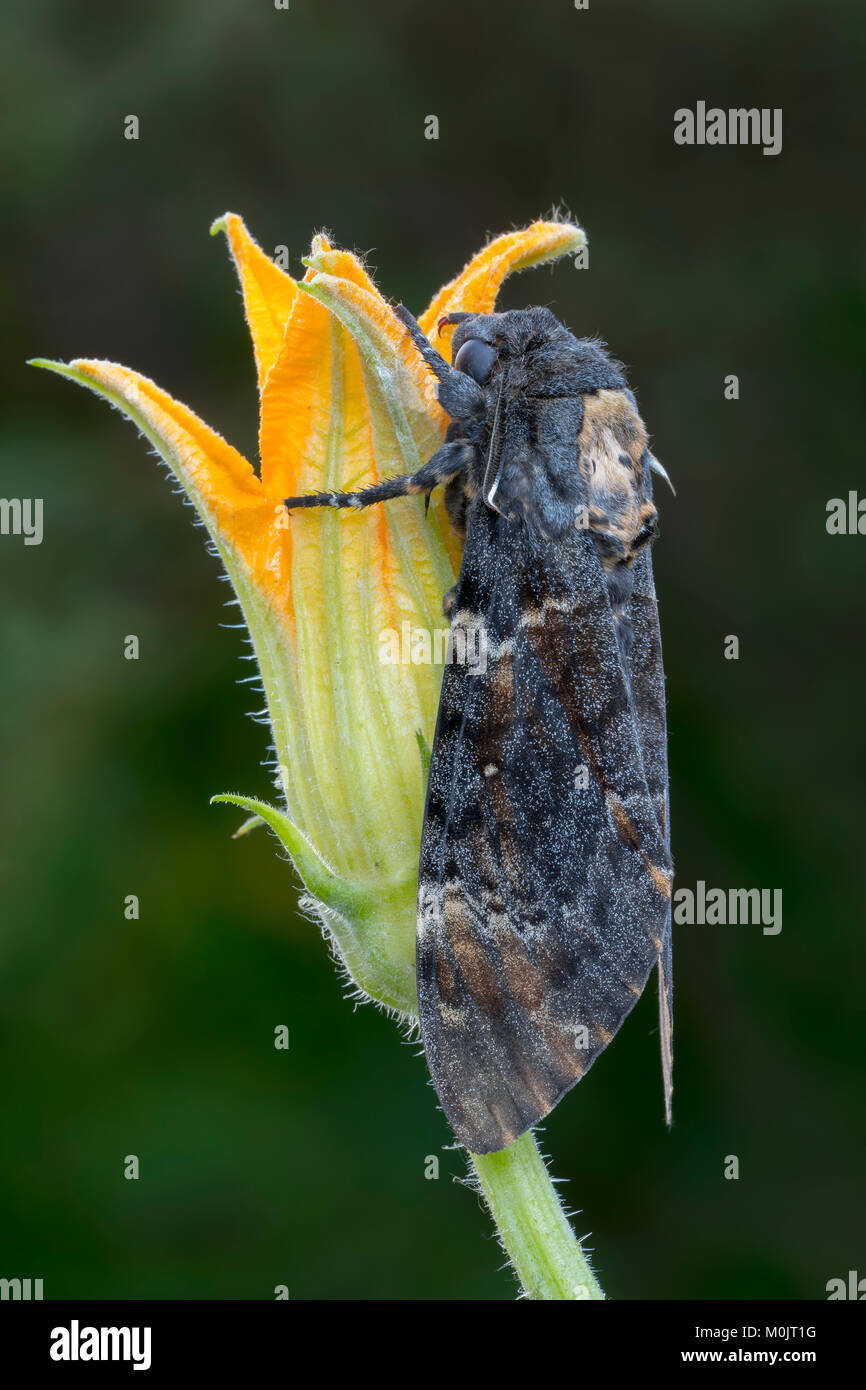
476, 287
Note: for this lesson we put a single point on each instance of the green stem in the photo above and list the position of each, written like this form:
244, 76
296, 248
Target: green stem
532, 1224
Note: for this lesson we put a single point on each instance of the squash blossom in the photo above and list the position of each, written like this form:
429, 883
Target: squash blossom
344, 610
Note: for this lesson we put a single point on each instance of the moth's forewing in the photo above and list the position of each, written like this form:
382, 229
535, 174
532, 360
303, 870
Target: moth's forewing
545, 876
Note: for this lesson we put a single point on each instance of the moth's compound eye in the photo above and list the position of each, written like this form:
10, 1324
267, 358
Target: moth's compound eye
475, 359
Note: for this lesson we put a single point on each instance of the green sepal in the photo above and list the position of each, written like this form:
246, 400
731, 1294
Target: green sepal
360, 919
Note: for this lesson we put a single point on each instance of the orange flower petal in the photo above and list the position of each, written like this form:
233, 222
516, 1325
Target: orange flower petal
476, 287
296, 404
269, 292
216, 471
221, 483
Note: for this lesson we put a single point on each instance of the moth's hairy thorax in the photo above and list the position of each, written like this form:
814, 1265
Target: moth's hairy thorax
559, 442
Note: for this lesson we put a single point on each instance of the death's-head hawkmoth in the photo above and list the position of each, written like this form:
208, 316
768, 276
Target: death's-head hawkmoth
545, 871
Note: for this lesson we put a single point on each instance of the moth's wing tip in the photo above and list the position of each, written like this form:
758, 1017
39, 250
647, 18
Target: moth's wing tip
484, 1124
488, 1128
487, 1118
492, 1139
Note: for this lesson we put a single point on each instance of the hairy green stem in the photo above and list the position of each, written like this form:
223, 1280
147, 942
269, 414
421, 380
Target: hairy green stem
532, 1224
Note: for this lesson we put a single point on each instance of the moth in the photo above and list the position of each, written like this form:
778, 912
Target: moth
545, 874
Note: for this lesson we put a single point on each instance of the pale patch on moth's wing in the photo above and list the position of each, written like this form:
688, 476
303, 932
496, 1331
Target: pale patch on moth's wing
613, 461
544, 877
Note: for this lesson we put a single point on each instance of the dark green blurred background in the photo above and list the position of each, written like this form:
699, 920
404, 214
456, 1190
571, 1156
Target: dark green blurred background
156, 1037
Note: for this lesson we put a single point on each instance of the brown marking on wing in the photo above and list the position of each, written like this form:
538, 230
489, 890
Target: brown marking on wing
449, 990
473, 962
662, 880
508, 1132
530, 984
547, 642
502, 686
525, 981
625, 826
537, 1083
571, 1062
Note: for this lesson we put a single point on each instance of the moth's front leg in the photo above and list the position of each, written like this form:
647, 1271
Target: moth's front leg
446, 463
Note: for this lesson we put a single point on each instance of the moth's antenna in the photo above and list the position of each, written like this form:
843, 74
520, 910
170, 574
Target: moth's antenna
489, 488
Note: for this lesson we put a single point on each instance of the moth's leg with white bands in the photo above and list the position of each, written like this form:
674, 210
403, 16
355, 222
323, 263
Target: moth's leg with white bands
445, 464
